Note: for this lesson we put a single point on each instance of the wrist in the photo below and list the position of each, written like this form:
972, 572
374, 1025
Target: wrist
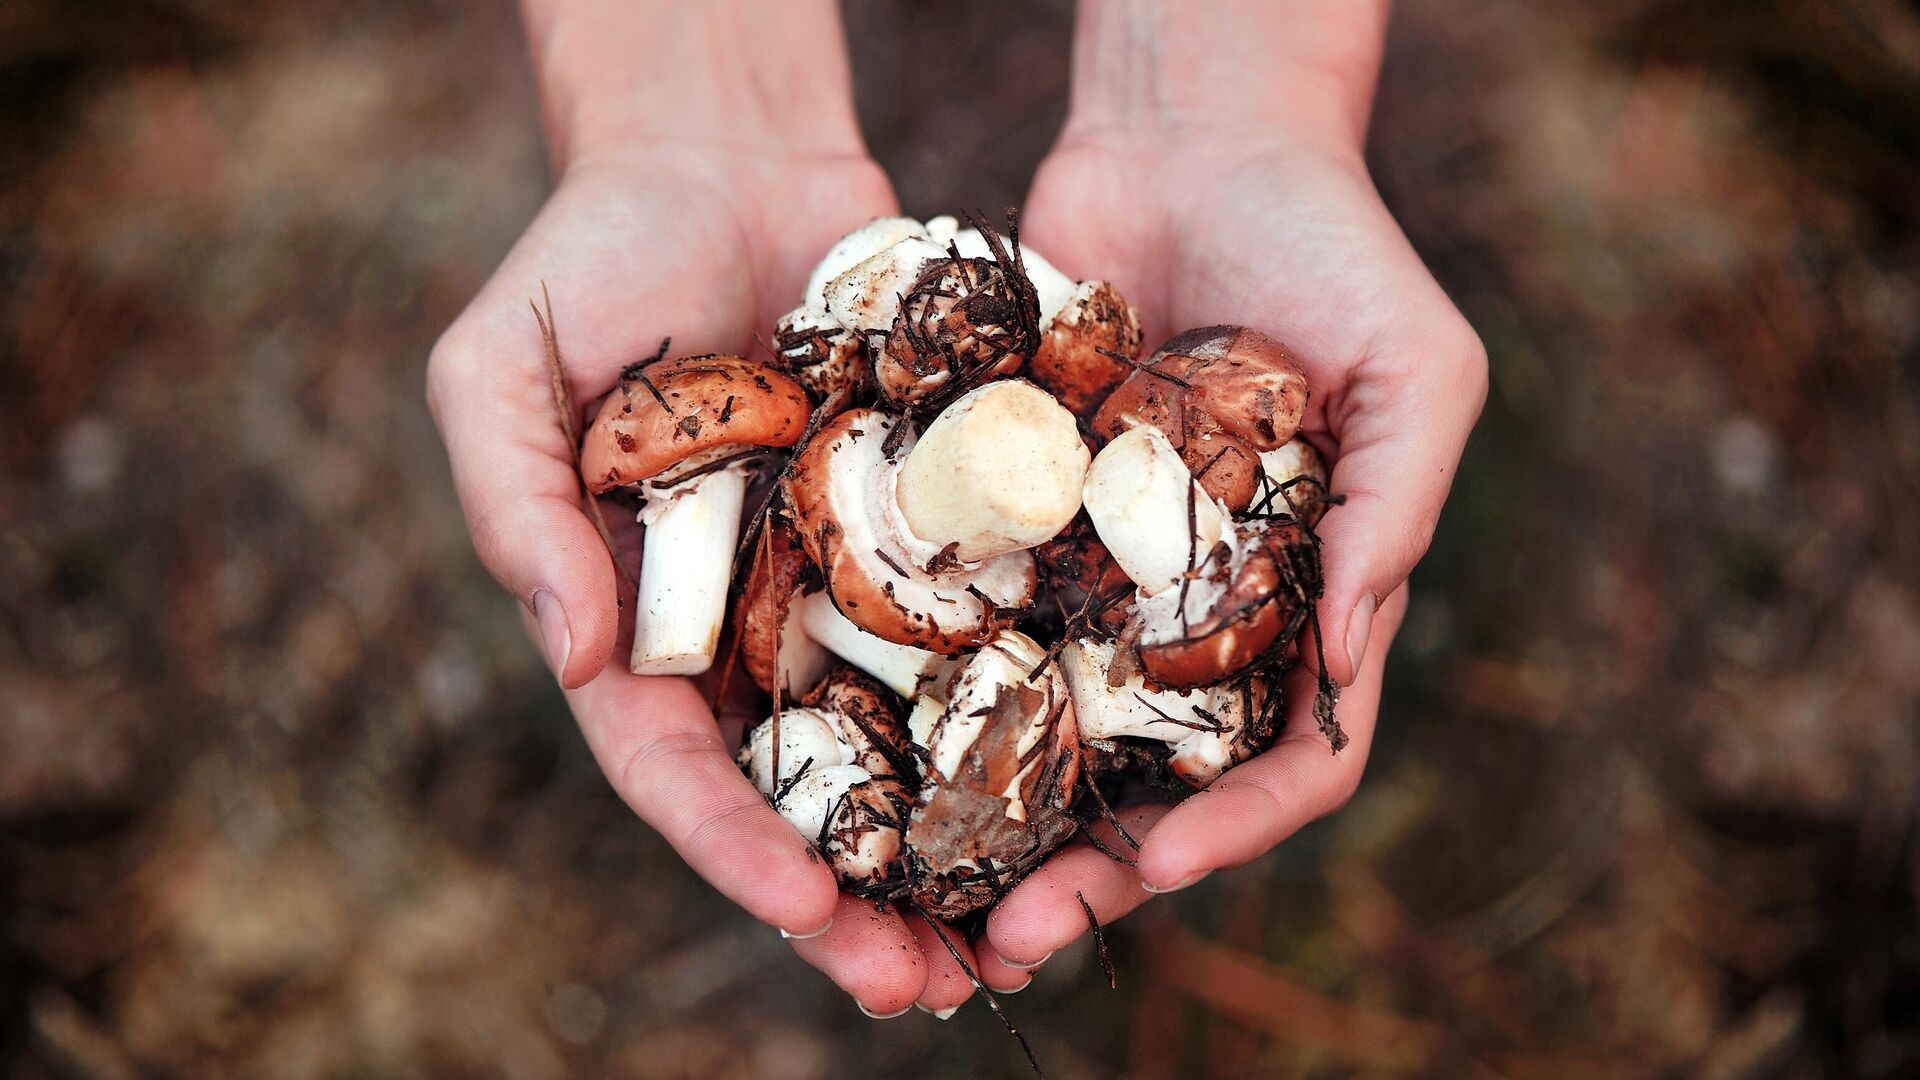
621, 75
1301, 72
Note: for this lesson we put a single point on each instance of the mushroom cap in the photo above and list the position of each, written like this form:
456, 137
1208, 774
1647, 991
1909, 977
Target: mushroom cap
882, 578
961, 323
1004, 765
844, 773
708, 405
1262, 603
778, 572
1191, 736
1237, 391
1069, 363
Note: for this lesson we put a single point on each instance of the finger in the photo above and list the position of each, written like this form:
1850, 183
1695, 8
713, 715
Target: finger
1262, 802
1043, 913
1000, 976
948, 984
871, 955
1400, 425
514, 474
657, 743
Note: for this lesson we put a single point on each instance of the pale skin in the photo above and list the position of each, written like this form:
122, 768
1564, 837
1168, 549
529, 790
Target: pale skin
1210, 167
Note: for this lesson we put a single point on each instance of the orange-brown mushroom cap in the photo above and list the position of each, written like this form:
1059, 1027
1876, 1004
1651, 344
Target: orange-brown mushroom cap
1262, 607
882, 579
1070, 363
1221, 394
693, 406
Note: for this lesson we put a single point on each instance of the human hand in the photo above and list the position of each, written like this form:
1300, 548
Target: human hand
693, 206
1215, 196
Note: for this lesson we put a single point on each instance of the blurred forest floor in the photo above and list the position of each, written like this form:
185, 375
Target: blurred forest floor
283, 791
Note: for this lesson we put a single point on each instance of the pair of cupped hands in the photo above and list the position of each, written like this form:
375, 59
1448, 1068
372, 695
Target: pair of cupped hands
710, 242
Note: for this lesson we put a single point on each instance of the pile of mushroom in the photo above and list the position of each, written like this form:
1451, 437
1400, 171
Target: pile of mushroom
1000, 567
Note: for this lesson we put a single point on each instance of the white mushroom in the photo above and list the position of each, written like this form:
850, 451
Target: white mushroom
884, 576
1200, 726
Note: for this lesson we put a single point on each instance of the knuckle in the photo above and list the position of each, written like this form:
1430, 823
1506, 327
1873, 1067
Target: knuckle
653, 753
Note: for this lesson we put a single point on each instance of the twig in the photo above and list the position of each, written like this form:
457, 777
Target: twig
981, 989
1099, 941
563, 403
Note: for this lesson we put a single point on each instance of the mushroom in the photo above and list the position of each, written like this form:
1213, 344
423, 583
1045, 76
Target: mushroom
681, 433
950, 322
1196, 734
1294, 481
790, 631
824, 355
1223, 395
1077, 321
1215, 597
925, 543
1002, 761
840, 770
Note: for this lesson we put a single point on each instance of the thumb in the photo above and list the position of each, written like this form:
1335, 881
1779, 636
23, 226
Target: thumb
515, 477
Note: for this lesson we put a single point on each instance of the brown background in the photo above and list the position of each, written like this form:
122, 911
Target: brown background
283, 792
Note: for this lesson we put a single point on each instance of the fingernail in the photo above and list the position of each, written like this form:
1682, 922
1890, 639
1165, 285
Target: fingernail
1178, 885
882, 1016
1024, 967
1358, 627
938, 1014
554, 635
790, 936
1016, 989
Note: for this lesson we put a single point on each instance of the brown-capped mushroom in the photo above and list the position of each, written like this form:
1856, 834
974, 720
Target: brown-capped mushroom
680, 433
790, 631
894, 540
1222, 395
1215, 597
840, 770
1003, 759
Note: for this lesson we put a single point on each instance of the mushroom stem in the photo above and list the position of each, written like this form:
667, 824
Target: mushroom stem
685, 567
1138, 493
998, 471
903, 669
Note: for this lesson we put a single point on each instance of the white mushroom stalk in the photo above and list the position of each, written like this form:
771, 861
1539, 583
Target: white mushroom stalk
1200, 727
685, 568
885, 577
1296, 479
903, 669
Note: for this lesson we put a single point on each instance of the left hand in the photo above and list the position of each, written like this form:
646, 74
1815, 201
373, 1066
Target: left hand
1283, 233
